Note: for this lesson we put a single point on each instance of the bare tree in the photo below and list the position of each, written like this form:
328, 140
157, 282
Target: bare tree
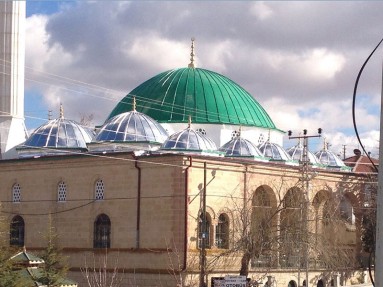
86, 120
278, 228
99, 274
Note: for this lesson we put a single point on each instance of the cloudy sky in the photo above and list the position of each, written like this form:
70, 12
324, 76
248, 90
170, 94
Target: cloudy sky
298, 59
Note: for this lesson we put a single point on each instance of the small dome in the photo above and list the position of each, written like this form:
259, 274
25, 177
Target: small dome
60, 133
240, 147
274, 151
296, 153
132, 127
330, 159
188, 139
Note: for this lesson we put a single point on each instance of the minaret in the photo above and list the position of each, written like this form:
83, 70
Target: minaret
12, 60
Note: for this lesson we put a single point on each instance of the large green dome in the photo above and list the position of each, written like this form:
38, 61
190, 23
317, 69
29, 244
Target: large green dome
208, 97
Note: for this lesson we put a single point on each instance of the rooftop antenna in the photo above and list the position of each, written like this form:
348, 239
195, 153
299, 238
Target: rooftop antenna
192, 54
189, 122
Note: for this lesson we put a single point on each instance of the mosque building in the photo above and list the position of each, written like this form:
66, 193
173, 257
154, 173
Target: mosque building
184, 165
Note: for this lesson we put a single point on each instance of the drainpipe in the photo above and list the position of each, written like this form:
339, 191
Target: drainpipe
245, 188
186, 212
138, 202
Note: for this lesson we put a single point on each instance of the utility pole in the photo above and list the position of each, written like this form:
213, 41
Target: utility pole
305, 186
379, 206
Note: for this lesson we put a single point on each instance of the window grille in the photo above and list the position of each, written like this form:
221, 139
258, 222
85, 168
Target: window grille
102, 229
234, 134
204, 231
17, 230
201, 131
61, 192
261, 139
222, 232
16, 193
99, 190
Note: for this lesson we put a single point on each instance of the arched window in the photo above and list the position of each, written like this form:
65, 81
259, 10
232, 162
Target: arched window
16, 193
328, 212
204, 227
99, 190
17, 231
102, 227
346, 210
292, 283
61, 192
320, 283
222, 232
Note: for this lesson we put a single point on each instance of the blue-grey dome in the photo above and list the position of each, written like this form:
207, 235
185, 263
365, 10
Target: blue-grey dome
60, 133
132, 127
274, 151
296, 153
240, 147
329, 158
188, 139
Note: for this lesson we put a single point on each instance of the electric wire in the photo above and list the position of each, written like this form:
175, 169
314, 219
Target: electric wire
109, 91
354, 100
359, 140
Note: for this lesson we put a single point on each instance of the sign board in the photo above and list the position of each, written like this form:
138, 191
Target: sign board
218, 282
235, 281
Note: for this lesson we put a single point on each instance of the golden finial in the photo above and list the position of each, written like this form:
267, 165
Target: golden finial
134, 104
239, 131
61, 111
191, 64
325, 144
269, 135
49, 115
189, 122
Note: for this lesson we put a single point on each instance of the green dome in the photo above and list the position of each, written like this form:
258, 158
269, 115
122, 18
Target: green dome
208, 97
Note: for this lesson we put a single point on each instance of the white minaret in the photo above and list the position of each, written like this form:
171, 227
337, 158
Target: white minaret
12, 59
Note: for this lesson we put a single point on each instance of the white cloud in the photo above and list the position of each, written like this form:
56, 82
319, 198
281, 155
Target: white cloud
300, 66
322, 63
36, 41
261, 10
160, 53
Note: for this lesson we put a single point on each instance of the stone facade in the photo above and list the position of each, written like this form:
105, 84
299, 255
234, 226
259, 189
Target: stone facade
154, 204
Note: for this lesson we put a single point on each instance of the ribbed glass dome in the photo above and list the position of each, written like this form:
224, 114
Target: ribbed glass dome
328, 158
240, 147
132, 127
296, 153
60, 133
188, 139
174, 95
274, 151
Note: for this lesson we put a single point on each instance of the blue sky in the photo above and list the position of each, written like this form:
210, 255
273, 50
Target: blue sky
298, 59
43, 7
